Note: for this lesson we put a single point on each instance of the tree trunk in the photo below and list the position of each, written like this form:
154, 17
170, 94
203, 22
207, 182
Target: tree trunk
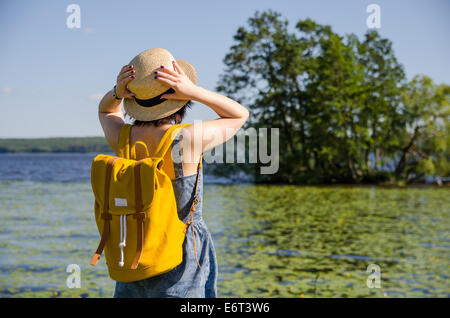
404, 158
377, 157
367, 161
356, 173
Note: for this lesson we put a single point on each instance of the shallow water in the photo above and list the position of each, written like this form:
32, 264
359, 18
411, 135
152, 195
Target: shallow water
271, 241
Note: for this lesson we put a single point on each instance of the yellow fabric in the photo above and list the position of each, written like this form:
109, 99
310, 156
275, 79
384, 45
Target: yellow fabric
133, 150
141, 151
163, 230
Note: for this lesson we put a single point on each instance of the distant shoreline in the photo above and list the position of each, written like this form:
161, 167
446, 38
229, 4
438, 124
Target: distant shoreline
54, 145
96, 145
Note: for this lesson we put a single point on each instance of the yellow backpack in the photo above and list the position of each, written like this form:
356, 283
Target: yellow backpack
136, 211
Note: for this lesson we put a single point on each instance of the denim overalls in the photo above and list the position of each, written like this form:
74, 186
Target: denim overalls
187, 279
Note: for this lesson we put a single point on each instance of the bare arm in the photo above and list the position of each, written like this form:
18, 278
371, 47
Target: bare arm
110, 110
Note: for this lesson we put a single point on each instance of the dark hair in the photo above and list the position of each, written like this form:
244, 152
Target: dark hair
175, 118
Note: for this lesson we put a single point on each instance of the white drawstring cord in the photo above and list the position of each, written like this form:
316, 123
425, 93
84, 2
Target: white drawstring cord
123, 237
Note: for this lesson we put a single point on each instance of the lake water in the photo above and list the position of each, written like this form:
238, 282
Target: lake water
271, 241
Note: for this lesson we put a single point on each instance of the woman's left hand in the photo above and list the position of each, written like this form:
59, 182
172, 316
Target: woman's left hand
183, 86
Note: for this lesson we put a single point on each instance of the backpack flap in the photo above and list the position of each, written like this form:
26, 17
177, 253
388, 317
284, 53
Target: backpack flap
122, 185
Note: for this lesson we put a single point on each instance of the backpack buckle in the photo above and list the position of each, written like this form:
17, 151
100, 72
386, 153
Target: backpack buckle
139, 215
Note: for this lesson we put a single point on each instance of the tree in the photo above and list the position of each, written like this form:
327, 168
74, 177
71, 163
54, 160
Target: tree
425, 141
340, 103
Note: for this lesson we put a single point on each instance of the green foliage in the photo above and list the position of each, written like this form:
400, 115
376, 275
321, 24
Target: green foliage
426, 138
341, 103
82, 144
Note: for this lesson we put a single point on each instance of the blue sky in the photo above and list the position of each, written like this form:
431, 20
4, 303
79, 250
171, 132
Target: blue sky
52, 77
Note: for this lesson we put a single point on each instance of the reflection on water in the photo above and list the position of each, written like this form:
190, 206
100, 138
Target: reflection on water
288, 241
271, 241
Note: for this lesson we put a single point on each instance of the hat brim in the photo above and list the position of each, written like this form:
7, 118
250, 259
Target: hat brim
166, 108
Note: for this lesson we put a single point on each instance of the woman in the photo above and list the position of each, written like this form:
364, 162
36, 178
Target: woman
195, 276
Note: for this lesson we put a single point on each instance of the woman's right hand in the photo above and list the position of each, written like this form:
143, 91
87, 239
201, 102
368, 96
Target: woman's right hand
126, 75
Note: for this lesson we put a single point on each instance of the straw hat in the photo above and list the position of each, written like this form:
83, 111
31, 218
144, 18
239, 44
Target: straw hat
147, 104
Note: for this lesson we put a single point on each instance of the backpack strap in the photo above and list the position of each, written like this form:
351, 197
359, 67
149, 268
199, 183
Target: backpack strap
139, 215
106, 216
124, 141
193, 207
167, 139
129, 152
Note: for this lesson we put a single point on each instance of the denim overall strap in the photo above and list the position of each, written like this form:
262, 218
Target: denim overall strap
177, 157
